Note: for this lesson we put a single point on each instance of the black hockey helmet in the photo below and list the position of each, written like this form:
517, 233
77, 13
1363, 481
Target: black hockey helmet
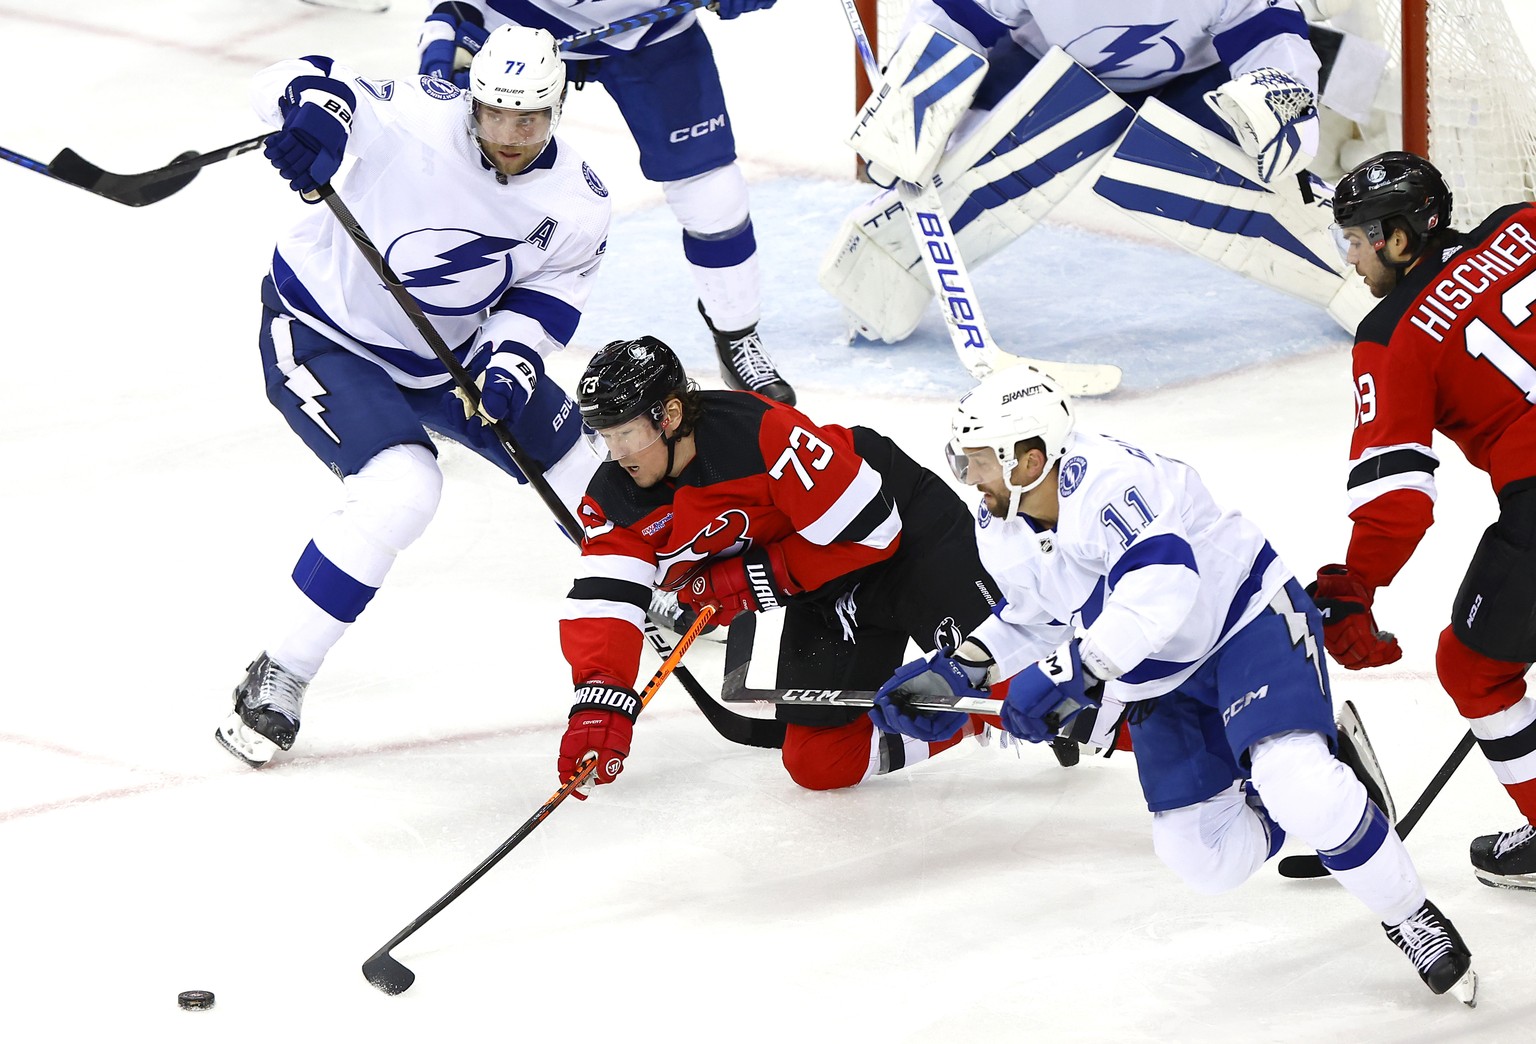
628, 378
1393, 187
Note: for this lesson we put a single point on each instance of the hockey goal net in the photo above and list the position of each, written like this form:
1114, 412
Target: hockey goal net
1458, 86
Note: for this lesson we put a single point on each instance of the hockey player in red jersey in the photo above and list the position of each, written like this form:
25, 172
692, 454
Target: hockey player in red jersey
733, 500
1451, 347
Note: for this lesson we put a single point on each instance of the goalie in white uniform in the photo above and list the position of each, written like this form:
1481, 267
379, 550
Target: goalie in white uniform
1119, 570
496, 229
1008, 104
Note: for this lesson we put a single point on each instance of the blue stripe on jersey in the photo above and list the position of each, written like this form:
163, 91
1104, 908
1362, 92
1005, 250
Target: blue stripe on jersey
1151, 670
969, 15
556, 317
1160, 549
1063, 100
324, 583
319, 61
725, 251
298, 297
1266, 25
937, 48
1364, 842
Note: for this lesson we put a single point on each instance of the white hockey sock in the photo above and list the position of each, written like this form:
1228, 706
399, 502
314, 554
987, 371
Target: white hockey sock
389, 503
1319, 802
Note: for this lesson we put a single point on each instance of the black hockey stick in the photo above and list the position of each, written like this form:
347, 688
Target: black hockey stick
1305, 866
390, 975
151, 186
737, 728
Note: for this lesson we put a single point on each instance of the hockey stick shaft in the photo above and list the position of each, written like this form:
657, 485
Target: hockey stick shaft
950, 277
734, 727
151, 186
636, 21
387, 973
1304, 866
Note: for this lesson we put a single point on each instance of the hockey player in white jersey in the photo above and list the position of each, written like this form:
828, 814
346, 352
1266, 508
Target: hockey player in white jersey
1118, 570
664, 81
1195, 117
496, 228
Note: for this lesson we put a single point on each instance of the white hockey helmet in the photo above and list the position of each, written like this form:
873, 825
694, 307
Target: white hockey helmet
518, 68
1006, 408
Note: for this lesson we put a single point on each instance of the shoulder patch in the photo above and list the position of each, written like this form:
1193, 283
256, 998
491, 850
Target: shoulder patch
442, 90
983, 516
1072, 473
592, 180
380, 89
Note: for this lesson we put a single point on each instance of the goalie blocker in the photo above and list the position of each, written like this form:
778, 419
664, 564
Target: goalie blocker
1011, 165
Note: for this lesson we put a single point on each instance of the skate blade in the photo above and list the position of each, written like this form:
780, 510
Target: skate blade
1465, 989
244, 743
1518, 882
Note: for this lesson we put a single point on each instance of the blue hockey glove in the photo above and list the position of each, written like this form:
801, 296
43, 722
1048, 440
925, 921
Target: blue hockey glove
1046, 695
728, 9
317, 117
936, 674
445, 31
507, 382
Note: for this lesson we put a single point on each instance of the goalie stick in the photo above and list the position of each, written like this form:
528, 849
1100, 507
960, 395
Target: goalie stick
387, 973
1305, 866
979, 353
151, 186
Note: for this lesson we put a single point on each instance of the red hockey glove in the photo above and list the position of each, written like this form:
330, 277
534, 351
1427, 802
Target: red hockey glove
602, 721
748, 583
1349, 628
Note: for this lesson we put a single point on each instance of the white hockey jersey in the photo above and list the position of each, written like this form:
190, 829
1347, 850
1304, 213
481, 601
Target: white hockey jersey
1142, 565
514, 255
1136, 45
567, 18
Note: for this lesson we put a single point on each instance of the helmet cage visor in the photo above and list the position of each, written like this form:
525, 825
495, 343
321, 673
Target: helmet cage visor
496, 125
624, 439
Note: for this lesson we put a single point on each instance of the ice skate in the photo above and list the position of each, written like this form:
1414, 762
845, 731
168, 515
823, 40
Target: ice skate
266, 715
1436, 950
1506, 860
745, 365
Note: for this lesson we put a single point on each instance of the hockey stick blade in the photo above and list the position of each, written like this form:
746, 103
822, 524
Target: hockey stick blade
150, 186
739, 647
1303, 867
1076, 379
385, 973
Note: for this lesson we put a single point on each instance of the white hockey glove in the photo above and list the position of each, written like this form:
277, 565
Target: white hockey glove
1274, 116
907, 121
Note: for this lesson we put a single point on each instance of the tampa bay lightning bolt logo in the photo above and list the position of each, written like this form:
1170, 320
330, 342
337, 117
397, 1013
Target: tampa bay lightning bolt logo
592, 182
1072, 473
453, 271
442, 90
1113, 50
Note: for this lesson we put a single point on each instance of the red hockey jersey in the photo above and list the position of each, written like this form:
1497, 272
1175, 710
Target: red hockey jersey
1452, 349
763, 474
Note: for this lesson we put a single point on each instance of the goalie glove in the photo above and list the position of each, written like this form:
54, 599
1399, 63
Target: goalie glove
907, 121
1274, 118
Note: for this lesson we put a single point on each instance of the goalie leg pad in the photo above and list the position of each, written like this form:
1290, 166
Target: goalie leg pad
1192, 186
1008, 167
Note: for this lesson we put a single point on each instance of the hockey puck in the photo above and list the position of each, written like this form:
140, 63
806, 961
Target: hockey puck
195, 1000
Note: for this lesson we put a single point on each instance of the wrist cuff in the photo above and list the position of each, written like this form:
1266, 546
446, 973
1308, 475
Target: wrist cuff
598, 696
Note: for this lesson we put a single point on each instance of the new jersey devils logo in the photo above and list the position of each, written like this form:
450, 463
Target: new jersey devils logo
725, 535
